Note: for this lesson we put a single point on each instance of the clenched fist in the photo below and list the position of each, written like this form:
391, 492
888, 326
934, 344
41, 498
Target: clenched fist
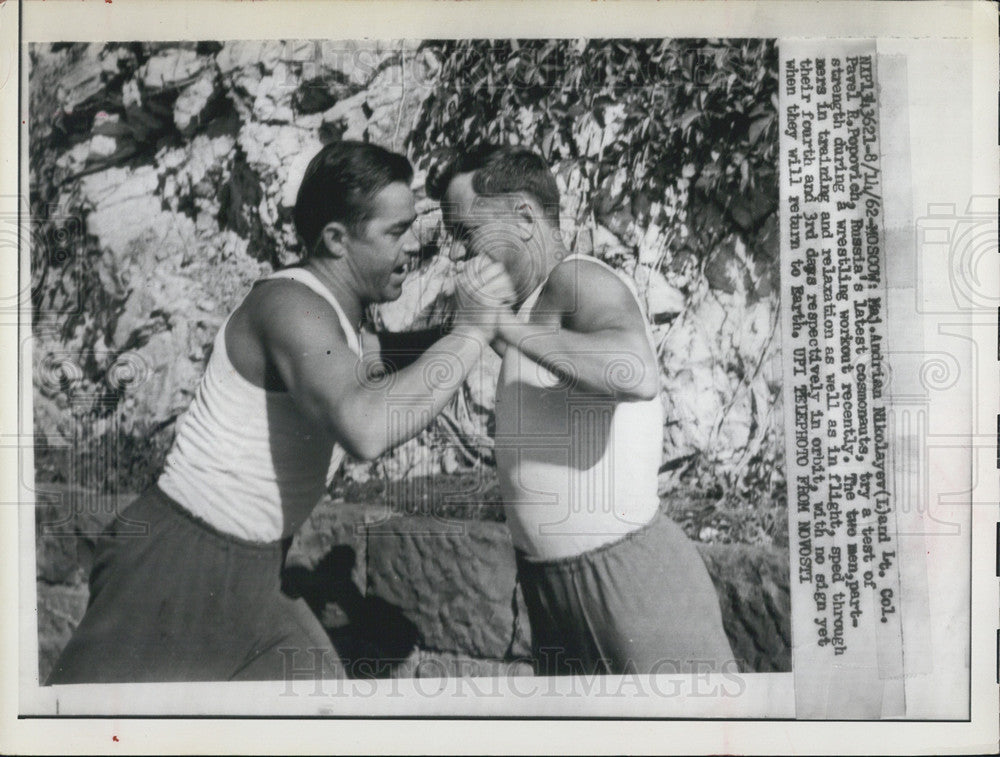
484, 293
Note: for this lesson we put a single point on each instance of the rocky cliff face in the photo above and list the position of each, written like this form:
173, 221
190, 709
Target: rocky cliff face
162, 181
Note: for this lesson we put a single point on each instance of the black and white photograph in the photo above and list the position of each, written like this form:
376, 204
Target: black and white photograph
532, 426
597, 373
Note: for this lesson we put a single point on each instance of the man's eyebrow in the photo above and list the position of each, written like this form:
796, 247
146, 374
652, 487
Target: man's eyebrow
404, 224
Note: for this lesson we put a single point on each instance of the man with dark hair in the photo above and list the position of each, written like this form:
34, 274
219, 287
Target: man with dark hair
500, 170
611, 584
284, 396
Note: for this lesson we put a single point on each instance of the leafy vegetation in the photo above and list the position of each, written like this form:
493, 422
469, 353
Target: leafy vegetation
691, 123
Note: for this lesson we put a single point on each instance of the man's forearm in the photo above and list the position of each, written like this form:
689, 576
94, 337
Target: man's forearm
611, 362
394, 408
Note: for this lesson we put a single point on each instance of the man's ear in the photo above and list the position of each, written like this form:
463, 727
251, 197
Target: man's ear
527, 219
332, 239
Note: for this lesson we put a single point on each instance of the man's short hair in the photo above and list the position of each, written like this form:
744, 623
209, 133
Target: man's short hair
339, 184
498, 170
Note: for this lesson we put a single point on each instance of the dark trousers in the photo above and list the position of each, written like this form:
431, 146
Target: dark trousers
642, 604
185, 602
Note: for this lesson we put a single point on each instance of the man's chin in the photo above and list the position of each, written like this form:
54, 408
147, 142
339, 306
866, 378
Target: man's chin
392, 292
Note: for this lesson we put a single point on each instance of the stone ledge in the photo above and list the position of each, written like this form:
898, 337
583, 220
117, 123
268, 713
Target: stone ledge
60, 608
454, 580
390, 589
752, 585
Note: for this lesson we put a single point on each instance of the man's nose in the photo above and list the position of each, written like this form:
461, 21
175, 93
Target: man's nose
410, 242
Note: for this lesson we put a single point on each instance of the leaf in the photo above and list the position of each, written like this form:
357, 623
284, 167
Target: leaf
688, 118
758, 127
547, 141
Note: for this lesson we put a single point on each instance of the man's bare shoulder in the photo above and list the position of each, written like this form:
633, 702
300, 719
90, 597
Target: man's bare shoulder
584, 284
287, 309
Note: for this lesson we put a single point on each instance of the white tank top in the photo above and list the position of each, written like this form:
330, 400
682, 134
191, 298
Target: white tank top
245, 459
576, 471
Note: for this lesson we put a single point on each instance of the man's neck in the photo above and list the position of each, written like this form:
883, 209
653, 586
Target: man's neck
551, 255
333, 274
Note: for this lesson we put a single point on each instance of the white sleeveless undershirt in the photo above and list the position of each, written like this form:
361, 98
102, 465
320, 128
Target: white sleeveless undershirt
576, 470
245, 459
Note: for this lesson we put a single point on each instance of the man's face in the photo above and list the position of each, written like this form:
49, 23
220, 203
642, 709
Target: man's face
380, 249
489, 226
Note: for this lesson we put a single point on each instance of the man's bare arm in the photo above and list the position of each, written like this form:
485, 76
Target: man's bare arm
587, 327
304, 341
